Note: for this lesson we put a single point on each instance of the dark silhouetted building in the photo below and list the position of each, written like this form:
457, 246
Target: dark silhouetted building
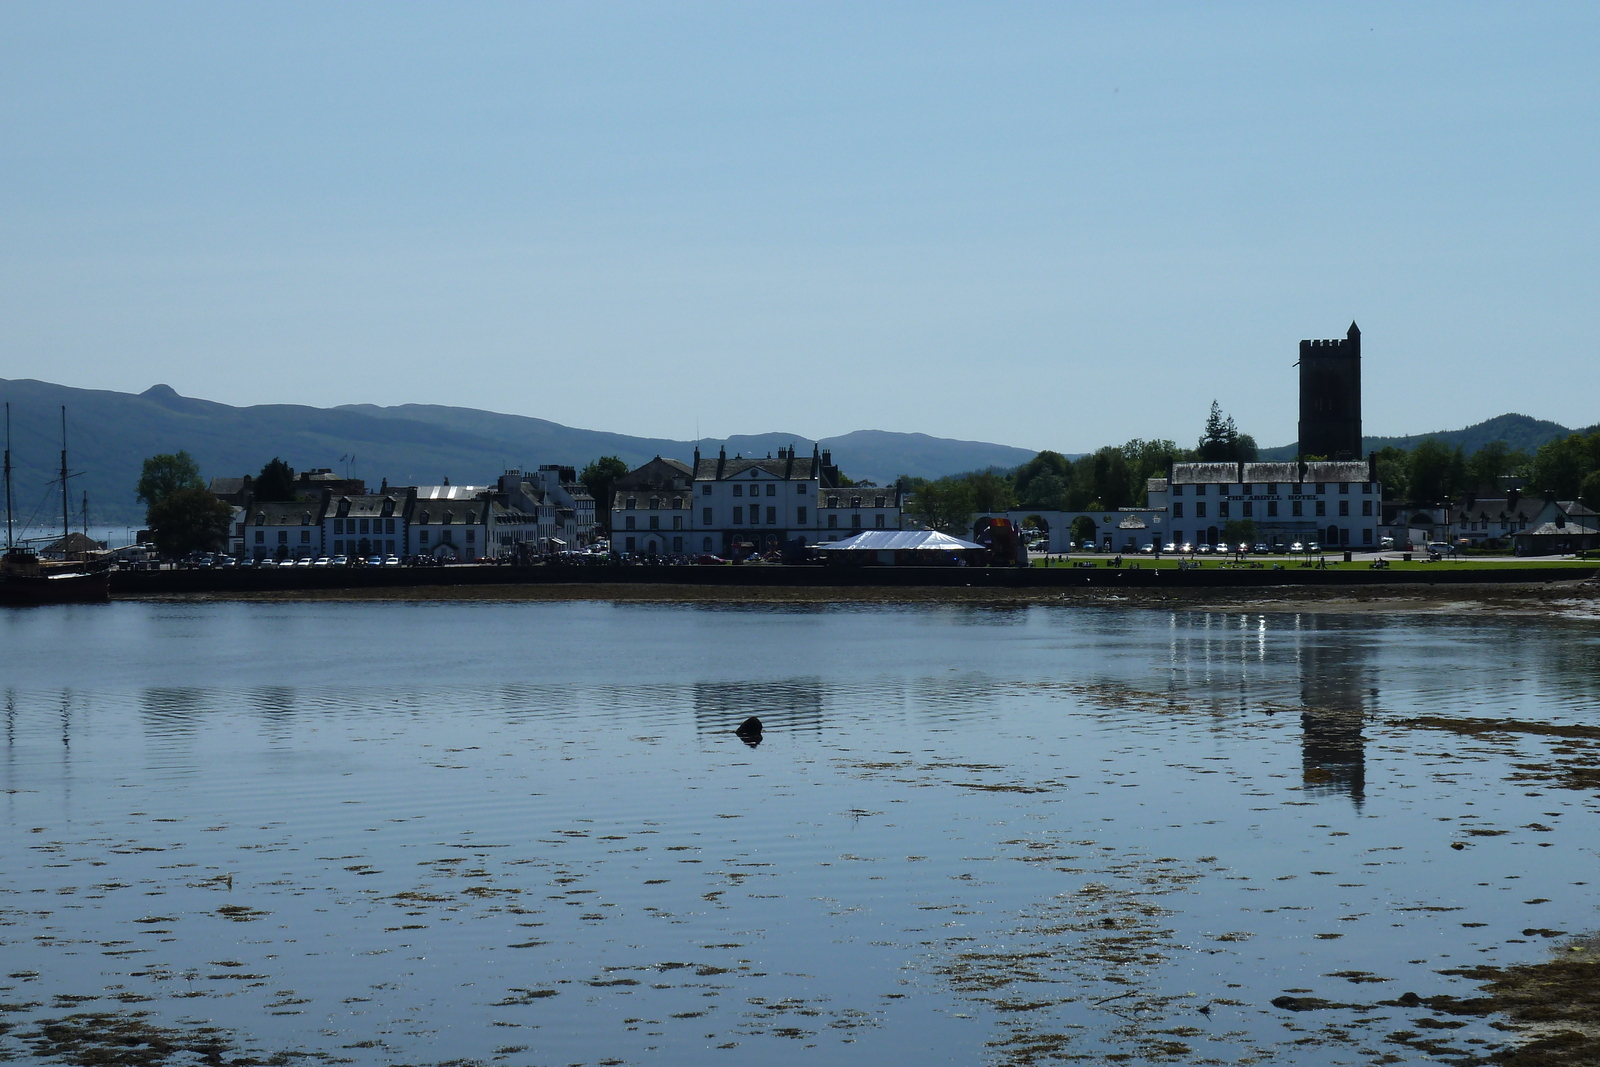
1330, 397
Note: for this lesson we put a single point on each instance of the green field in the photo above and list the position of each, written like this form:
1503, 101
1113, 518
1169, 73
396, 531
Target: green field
1573, 567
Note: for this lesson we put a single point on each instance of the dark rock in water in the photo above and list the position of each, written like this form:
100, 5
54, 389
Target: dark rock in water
751, 727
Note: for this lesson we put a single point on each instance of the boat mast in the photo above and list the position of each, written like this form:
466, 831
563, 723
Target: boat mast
9, 539
66, 506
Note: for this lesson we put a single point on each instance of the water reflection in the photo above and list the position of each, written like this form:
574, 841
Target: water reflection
792, 704
1336, 691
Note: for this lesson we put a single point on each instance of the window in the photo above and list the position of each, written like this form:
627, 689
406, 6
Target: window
677, 522
1248, 510
800, 488
1247, 488
283, 537
388, 526
1272, 509
833, 521
1177, 510
655, 503
471, 534
655, 522
388, 546
1222, 509
1200, 490
1177, 490
1200, 509
1297, 508
705, 543
738, 514
629, 521
630, 544
1344, 507
1366, 488
772, 488
705, 516
1366, 509
833, 501
1322, 507
338, 548
364, 528
261, 536
677, 544
880, 520
1344, 487
877, 501
705, 490
338, 526
1272, 487
738, 490
772, 516
855, 522
1322, 487
800, 516
422, 537
305, 537
855, 502
1366, 536
631, 503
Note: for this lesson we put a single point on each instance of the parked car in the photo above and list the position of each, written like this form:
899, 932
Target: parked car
374, 561
1386, 543
1148, 550
391, 561
340, 561
1187, 547
1260, 548
322, 561
1313, 547
1297, 547
1170, 546
1203, 549
709, 560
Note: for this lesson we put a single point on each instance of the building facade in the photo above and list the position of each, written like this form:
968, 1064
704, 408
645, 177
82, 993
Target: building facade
1336, 503
743, 506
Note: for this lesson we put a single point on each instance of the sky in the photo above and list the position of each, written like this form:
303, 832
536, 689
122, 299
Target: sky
1051, 226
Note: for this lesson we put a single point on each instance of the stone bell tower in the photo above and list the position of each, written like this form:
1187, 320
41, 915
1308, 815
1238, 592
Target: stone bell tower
1330, 397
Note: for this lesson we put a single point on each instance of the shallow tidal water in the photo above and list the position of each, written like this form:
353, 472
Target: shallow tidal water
525, 833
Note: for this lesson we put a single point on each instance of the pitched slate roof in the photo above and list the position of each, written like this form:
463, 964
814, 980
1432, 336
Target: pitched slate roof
285, 513
374, 505
657, 474
798, 469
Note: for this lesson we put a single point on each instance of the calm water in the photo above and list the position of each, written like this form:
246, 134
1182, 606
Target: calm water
524, 833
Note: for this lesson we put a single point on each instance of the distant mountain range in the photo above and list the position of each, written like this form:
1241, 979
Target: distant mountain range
1518, 431
110, 433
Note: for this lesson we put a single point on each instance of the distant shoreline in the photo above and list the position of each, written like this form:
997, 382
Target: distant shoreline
1571, 599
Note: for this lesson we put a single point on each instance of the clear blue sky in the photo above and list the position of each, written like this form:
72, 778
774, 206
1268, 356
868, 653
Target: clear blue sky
1056, 226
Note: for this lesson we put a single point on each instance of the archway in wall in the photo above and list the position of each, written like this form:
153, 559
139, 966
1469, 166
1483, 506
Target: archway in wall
1333, 536
1211, 535
1084, 529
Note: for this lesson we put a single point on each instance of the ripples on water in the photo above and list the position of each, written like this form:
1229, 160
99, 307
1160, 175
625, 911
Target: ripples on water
525, 834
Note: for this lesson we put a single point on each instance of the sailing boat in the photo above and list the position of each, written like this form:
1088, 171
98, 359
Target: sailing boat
24, 578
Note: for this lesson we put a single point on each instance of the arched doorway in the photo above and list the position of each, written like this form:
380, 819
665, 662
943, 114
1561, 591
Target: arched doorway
1333, 536
1211, 535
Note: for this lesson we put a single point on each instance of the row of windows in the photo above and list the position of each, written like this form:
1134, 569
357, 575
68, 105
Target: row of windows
364, 545
1247, 508
655, 522
344, 526
655, 502
1246, 488
855, 502
855, 522
800, 488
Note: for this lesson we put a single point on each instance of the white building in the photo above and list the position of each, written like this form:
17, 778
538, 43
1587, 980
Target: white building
452, 522
1336, 503
848, 510
373, 524
757, 505
284, 530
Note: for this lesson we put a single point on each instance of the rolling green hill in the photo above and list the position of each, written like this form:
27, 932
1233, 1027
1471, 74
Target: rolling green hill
1518, 431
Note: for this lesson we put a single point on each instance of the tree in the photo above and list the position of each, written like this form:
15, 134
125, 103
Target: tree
1046, 464
990, 491
1149, 459
189, 520
1239, 532
1392, 473
165, 474
1108, 480
1435, 471
1559, 467
1047, 492
597, 478
275, 482
1492, 462
1220, 442
945, 505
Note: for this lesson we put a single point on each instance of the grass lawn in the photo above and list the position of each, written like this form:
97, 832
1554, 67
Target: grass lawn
1575, 567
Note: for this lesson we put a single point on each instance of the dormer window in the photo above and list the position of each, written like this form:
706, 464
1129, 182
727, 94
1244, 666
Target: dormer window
448, 517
